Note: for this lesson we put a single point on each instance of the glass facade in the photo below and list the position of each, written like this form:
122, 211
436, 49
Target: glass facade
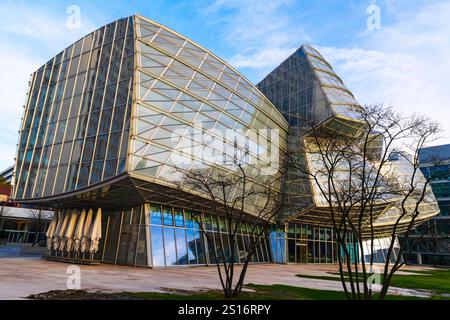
176, 238
306, 90
309, 244
116, 120
438, 173
195, 112
135, 99
125, 237
76, 122
157, 235
303, 243
430, 242
110, 120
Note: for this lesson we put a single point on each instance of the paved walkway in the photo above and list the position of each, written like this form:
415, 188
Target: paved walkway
20, 277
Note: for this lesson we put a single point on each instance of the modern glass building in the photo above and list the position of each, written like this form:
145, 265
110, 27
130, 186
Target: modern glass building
113, 122
305, 89
430, 244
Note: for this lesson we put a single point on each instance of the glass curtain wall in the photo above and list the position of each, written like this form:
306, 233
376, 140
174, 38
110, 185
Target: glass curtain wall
278, 245
302, 243
309, 244
176, 238
380, 250
194, 112
78, 102
125, 238
173, 236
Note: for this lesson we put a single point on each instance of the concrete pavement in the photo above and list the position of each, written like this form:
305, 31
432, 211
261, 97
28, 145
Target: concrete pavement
20, 277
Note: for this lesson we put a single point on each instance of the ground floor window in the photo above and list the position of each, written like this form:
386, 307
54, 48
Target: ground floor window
302, 243
278, 245
124, 238
380, 250
306, 244
14, 230
176, 238
172, 236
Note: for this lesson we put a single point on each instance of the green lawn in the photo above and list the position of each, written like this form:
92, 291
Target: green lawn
262, 292
434, 280
274, 292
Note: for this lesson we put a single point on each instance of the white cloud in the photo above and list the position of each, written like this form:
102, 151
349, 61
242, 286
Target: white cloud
404, 64
261, 59
263, 33
15, 68
29, 36
24, 19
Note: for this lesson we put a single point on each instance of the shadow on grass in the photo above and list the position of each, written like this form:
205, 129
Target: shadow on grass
261, 292
436, 281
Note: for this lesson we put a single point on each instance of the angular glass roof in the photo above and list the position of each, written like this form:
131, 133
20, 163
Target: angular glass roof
190, 108
189, 57
341, 100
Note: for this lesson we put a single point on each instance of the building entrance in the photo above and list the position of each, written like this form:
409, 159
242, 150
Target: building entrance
301, 247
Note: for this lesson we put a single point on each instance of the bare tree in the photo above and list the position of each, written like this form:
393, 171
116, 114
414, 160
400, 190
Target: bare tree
352, 169
39, 219
231, 194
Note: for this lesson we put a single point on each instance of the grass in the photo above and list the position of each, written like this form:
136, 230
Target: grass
262, 292
437, 281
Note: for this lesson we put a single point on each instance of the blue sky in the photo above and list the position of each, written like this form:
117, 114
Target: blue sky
405, 62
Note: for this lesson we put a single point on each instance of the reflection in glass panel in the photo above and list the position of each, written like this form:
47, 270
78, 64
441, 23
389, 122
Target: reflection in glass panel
168, 218
179, 221
183, 255
189, 219
201, 249
169, 246
96, 172
110, 168
225, 247
192, 246
157, 246
60, 179
155, 214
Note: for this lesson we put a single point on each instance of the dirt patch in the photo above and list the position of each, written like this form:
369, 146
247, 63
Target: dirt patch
164, 293
82, 295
